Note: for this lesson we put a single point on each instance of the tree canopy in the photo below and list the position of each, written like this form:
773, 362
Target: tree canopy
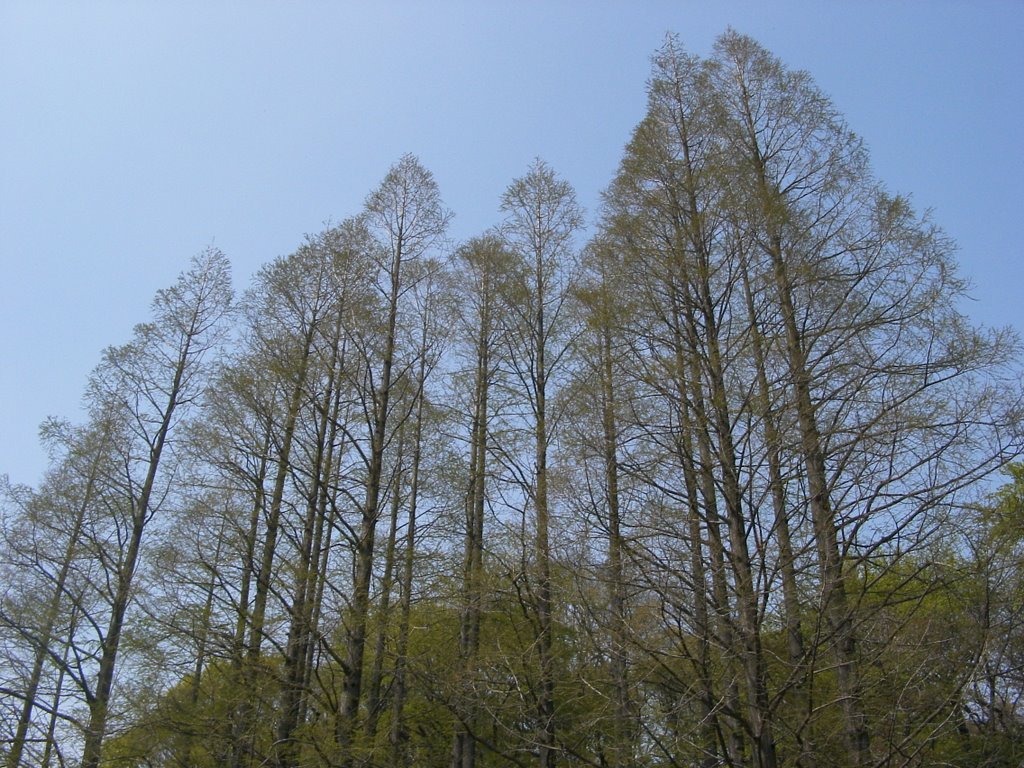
714, 486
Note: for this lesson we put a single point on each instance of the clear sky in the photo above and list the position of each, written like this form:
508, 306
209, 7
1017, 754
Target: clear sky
134, 134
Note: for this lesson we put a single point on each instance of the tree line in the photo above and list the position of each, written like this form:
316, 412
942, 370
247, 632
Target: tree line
712, 488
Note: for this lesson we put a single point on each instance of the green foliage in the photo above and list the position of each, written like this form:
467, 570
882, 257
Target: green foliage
190, 725
705, 483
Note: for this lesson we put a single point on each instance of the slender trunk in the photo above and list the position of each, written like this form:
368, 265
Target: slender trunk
623, 725
352, 685
51, 729
192, 728
320, 555
398, 735
243, 717
546, 698
706, 706
696, 233
277, 498
140, 513
50, 618
237, 718
707, 714
373, 702
463, 744
758, 713
100, 701
732, 738
695, 406
834, 587
787, 559
294, 676
322, 547
249, 556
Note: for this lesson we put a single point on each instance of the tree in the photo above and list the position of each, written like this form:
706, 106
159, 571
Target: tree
55, 518
486, 262
109, 483
601, 351
340, 253
669, 205
542, 221
993, 699
291, 306
406, 216
873, 344
806, 322
152, 377
710, 491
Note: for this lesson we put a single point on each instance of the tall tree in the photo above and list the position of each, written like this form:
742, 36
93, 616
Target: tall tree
605, 313
291, 309
152, 378
54, 518
406, 216
865, 296
542, 220
810, 321
485, 261
341, 254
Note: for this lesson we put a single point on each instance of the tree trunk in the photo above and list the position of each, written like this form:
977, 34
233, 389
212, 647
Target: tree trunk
140, 513
463, 743
352, 685
758, 714
694, 410
373, 696
274, 517
45, 638
294, 677
787, 559
834, 589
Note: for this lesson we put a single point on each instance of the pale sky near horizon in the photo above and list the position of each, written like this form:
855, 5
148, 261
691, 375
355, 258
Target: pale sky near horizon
134, 134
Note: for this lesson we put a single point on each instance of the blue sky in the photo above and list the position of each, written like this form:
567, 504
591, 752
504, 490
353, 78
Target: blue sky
134, 134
